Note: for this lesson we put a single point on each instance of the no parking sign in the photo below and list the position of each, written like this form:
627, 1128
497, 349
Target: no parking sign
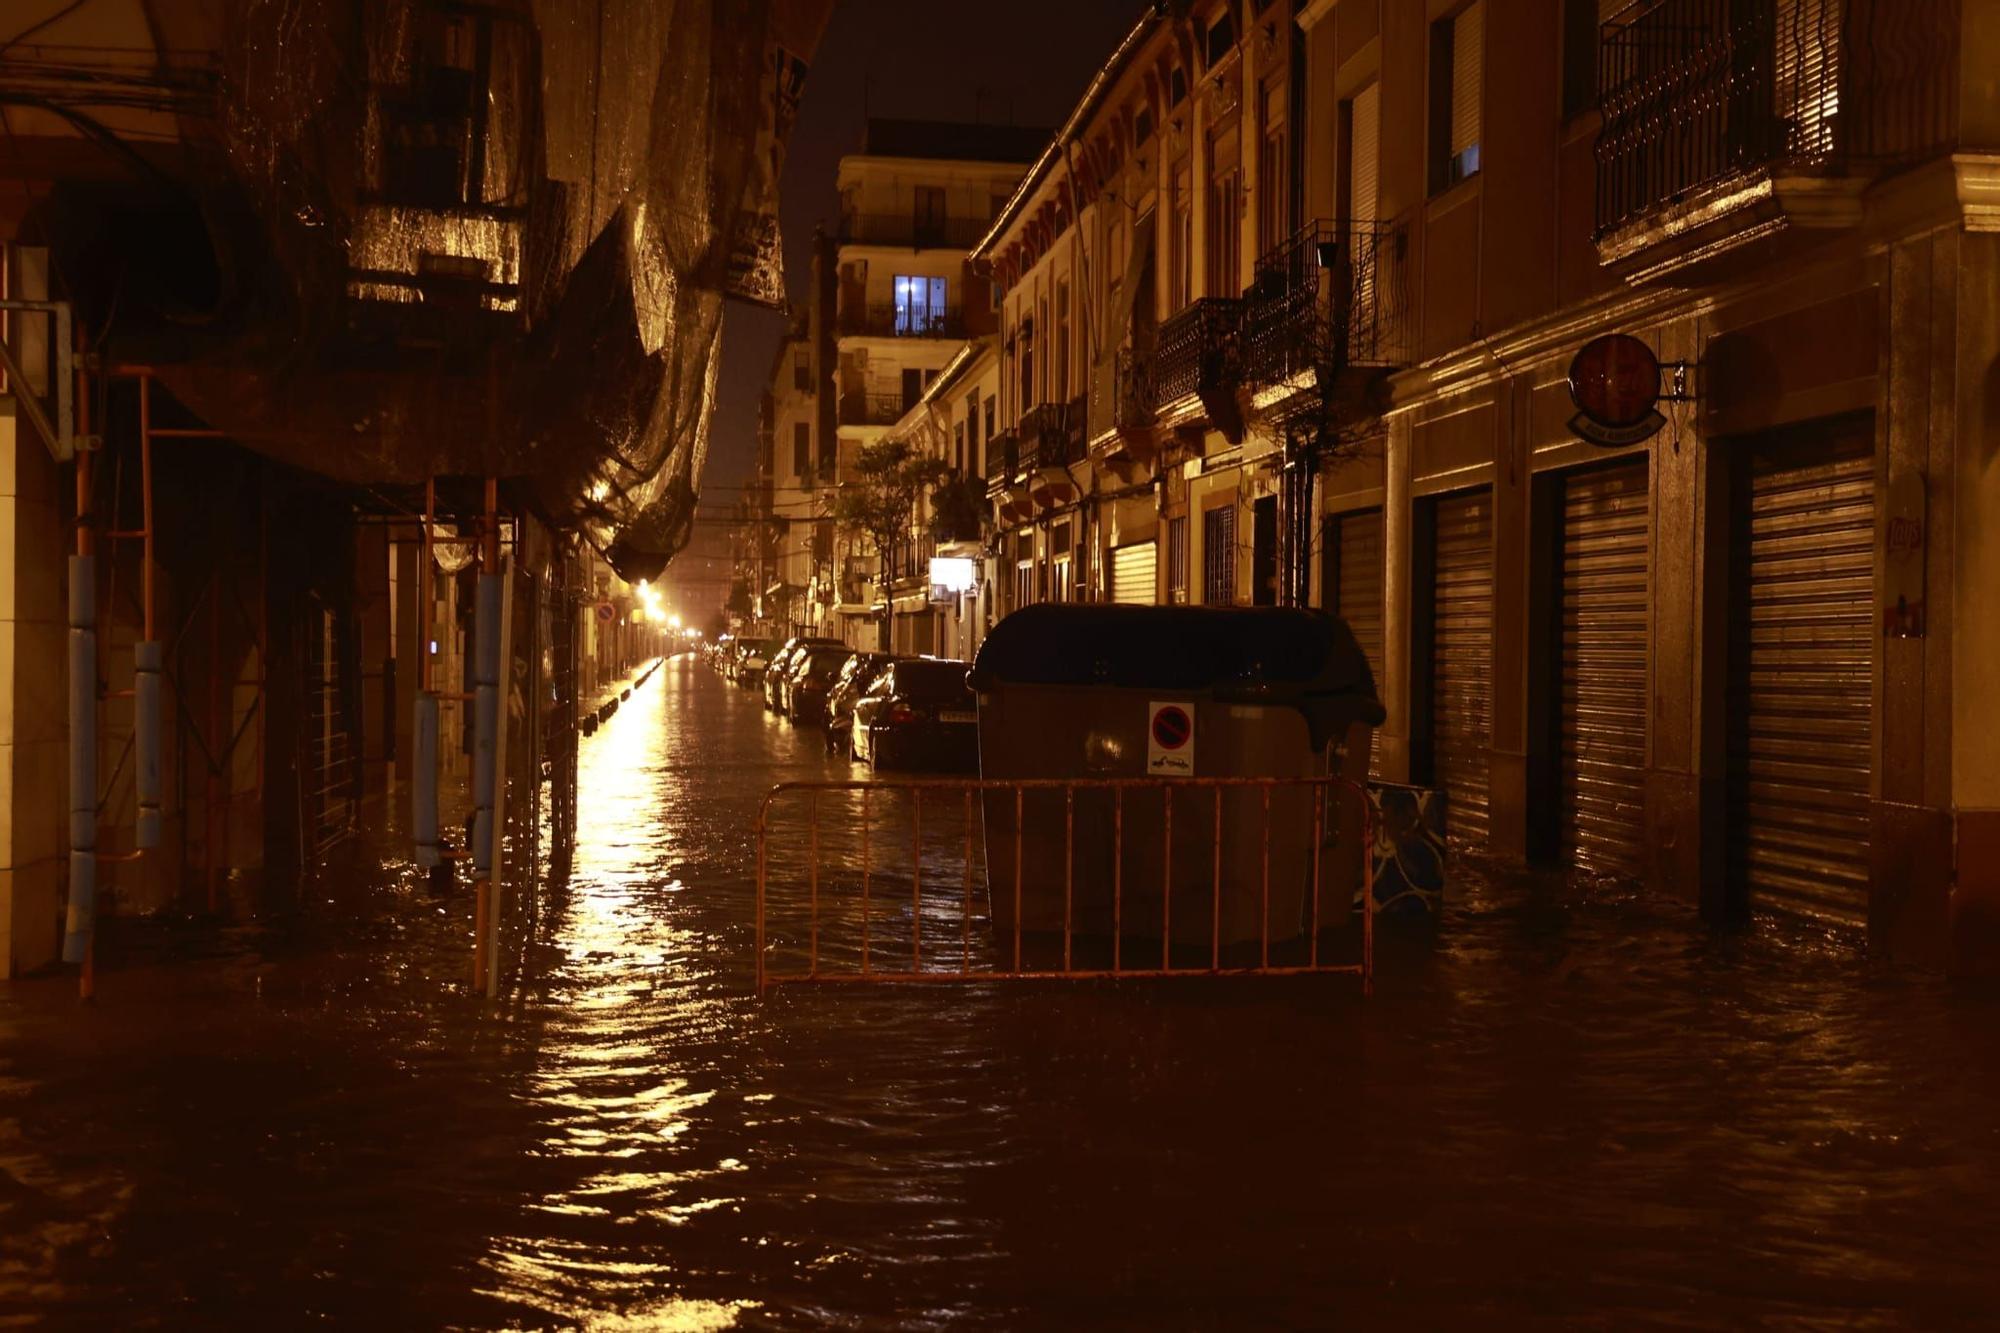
1170, 740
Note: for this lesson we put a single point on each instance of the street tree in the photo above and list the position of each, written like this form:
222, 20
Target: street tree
878, 505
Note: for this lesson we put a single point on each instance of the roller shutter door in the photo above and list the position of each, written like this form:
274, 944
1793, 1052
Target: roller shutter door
1355, 542
1353, 587
1133, 574
1601, 773
1462, 660
1801, 656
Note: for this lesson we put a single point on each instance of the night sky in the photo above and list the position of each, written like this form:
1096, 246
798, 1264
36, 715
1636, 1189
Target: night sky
1025, 62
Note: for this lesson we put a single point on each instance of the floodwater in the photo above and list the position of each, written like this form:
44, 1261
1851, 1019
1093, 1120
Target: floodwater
1566, 1107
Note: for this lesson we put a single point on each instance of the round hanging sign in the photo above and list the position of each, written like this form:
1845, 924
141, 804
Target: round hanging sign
1614, 380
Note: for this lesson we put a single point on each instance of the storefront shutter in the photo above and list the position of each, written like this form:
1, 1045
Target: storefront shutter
1802, 643
1133, 574
1602, 769
1462, 660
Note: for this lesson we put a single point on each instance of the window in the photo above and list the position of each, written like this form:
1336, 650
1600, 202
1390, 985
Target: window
1221, 36
1060, 591
1176, 86
927, 216
802, 378
801, 449
1361, 133
1583, 24
1457, 45
958, 447
992, 413
1114, 262
1025, 354
1062, 341
1142, 126
971, 429
1177, 560
1042, 323
919, 306
1225, 213
1182, 288
1273, 188
1218, 555
913, 387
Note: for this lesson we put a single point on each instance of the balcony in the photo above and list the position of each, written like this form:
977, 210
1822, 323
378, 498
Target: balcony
1052, 439
1729, 120
886, 321
1003, 457
1334, 297
1199, 357
873, 409
907, 231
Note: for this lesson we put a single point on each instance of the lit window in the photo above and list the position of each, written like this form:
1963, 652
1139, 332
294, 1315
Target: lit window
920, 309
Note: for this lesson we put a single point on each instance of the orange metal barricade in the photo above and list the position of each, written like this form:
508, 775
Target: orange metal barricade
1006, 953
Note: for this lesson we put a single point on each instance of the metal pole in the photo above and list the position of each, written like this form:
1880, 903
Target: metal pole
499, 890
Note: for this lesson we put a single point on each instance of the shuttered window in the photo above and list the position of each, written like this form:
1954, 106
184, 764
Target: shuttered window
1132, 574
1602, 768
1801, 677
1468, 41
1456, 89
1364, 136
1462, 660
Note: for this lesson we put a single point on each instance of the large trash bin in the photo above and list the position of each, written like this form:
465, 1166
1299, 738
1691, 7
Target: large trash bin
1100, 692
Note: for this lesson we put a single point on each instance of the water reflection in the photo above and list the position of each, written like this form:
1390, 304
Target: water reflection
1570, 1107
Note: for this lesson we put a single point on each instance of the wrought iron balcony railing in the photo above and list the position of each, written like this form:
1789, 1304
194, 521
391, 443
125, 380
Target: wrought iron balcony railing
887, 321
1132, 390
872, 409
1694, 91
904, 229
1003, 456
1333, 296
1197, 349
1052, 434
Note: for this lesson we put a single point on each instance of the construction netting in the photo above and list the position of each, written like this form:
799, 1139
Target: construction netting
457, 240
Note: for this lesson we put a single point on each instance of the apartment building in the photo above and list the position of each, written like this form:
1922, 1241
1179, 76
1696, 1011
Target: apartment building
894, 300
1287, 312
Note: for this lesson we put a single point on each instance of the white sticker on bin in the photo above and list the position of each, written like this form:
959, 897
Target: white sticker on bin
1170, 740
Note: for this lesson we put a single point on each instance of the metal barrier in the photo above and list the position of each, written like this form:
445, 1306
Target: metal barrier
1011, 959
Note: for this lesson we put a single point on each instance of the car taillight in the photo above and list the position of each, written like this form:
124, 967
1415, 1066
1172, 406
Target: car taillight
902, 713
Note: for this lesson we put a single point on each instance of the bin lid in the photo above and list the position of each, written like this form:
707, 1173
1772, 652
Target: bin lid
1280, 656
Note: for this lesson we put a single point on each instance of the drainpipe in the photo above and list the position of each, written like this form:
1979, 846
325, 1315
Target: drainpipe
79, 929
147, 654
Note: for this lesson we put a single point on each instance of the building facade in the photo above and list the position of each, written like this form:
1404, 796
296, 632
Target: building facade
1287, 310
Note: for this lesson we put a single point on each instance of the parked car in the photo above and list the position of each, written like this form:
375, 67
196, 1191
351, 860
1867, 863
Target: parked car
774, 670
861, 671
812, 677
920, 713
748, 663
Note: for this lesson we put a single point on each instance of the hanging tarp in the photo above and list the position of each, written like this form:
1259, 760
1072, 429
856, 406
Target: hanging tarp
455, 240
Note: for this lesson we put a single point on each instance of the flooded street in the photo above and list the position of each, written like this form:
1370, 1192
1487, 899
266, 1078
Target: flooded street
1569, 1106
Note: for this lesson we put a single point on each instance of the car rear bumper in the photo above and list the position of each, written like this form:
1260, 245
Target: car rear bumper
948, 747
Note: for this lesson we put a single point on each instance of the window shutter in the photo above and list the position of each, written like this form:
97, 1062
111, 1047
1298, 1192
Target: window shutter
1365, 119
1468, 40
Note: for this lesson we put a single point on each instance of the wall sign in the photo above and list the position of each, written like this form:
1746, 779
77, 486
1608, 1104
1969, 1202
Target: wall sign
1614, 380
1903, 559
1170, 740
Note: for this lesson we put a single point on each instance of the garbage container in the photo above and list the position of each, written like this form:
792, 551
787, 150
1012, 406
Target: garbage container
1172, 693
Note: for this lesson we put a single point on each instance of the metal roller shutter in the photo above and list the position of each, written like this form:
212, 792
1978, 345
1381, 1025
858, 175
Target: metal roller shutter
1462, 660
1602, 786
1354, 588
1133, 574
1802, 648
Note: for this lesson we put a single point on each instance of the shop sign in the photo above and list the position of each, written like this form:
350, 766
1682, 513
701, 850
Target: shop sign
1170, 741
1614, 380
1903, 562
